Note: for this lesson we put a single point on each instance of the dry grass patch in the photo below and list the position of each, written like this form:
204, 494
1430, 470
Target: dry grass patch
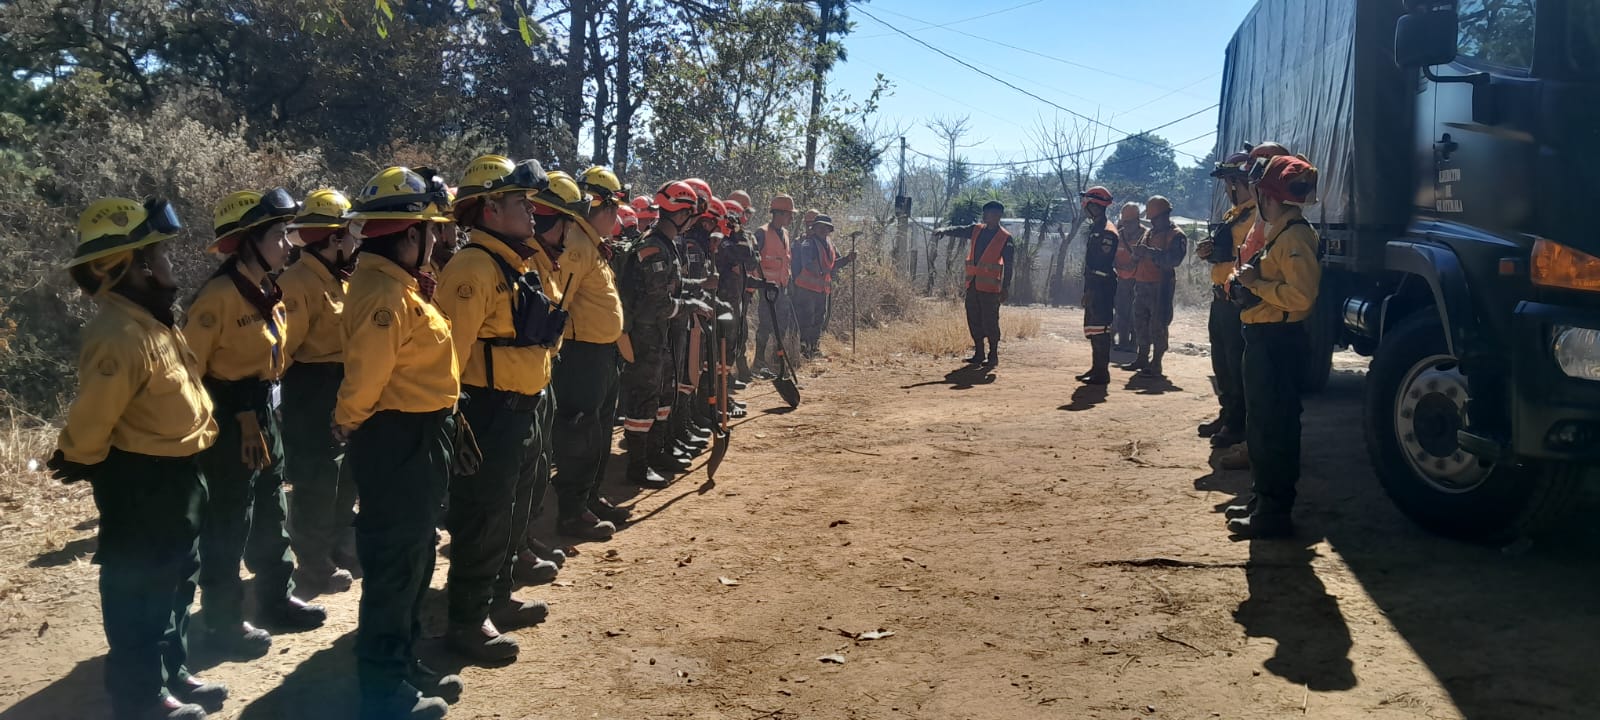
940, 328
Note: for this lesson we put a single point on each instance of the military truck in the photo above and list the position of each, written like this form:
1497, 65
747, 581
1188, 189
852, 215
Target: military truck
1459, 149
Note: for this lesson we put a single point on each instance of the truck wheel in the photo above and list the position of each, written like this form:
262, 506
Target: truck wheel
1320, 332
1416, 400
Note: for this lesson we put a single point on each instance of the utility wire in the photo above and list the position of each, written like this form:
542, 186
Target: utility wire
952, 22
1102, 146
1004, 82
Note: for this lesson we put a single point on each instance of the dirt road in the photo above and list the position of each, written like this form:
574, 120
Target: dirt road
1037, 550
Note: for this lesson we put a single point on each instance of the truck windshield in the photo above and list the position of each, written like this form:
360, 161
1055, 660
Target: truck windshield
1582, 52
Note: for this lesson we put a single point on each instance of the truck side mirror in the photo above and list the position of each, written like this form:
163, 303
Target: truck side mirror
1426, 34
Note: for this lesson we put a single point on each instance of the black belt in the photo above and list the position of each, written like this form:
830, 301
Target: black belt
1275, 328
513, 401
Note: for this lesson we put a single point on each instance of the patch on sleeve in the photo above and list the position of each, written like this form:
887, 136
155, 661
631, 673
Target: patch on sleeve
383, 317
464, 291
107, 366
658, 266
648, 251
291, 305
207, 319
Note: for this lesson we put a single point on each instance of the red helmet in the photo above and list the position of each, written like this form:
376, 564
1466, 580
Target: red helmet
701, 187
1286, 178
1096, 195
640, 203
677, 195
714, 209
733, 209
626, 217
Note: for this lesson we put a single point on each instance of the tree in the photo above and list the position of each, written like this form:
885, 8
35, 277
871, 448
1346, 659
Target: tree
1071, 150
1141, 165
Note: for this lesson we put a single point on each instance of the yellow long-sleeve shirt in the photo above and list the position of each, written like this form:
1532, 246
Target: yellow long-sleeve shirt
313, 299
398, 352
473, 293
230, 338
1290, 274
1241, 217
591, 288
138, 389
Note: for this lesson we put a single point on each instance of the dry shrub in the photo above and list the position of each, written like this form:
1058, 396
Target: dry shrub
26, 442
940, 328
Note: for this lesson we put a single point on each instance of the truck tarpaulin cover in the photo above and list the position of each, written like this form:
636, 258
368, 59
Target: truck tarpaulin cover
1319, 77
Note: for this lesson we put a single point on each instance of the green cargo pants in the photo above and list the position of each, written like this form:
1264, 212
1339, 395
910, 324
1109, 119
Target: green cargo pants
322, 503
585, 383
148, 557
401, 465
1273, 355
533, 480
480, 518
243, 516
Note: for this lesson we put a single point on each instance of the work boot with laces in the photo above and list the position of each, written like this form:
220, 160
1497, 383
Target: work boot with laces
481, 643
190, 689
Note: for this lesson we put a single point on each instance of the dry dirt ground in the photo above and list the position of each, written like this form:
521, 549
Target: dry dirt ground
1038, 550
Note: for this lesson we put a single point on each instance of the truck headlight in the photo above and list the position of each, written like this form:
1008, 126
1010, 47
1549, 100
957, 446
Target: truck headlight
1577, 351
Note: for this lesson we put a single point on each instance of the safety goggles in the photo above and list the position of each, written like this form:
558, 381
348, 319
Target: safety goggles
525, 175
1258, 170
435, 196
275, 203
159, 219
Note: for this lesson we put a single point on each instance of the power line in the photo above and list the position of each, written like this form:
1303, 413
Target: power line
1002, 81
1099, 147
1174, 146
952, 22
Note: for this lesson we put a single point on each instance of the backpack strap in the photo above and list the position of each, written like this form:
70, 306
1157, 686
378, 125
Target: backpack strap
511, 287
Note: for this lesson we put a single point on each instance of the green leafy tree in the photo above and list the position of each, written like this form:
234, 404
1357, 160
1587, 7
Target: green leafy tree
1141, 165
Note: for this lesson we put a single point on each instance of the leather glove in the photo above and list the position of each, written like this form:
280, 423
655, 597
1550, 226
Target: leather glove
1203, 250
468, 456
67, 471
253, 450
1249, 275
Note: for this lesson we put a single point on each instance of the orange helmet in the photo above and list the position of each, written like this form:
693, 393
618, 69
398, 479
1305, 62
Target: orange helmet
640, 203
1096, 195
701, 187
626, 217
677, 195
734, 210
1289, 179
1267, 149
714, 208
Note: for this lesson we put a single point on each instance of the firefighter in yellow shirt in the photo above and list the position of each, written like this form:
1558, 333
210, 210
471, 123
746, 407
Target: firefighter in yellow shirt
500, 296
322, 505
236, 326
587, 374
140, 419
1276, 290
396, 408
1227, 339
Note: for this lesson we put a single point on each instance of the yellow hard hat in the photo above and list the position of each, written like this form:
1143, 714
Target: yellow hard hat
493, 175
324, 208
398, 193
110, 226
561, 193
244, 210
602, 186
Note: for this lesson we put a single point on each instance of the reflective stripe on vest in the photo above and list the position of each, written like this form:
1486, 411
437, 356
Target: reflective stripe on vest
989, 271
821, 282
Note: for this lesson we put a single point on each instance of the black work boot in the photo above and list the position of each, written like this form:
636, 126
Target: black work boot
1240, 510
1100, 350
1153, 370
605, 510
406, 703
639, 471
190, 689
1227, 437
586, 526
977, 354
241, 641
292, 613
431, 682
1262, 525
481, 643
513, 614
1141, 361
1210, 429
530, 569
165, 707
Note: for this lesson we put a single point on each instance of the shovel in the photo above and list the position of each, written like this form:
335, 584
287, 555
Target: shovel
785, 381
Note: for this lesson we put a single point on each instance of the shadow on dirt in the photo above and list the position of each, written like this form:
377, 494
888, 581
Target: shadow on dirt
1085, 398
1508, 632
80, 694
322, 686
68, 554
965, 377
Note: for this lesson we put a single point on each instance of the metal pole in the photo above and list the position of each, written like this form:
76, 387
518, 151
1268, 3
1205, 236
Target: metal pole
853, 260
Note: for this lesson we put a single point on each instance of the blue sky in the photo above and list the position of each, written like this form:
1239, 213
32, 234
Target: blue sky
1138, 63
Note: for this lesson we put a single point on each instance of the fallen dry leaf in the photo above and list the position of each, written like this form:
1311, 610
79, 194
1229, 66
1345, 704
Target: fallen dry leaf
834, 658
878, 634
728, 582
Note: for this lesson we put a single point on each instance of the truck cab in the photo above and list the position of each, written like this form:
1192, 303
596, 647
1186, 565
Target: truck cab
1483, 398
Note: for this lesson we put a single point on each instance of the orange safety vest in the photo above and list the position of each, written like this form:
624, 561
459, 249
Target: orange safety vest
813, 280
774, 256
986, 274
1158, 240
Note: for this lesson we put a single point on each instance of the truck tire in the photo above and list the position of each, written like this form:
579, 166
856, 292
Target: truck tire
1320, 334
1415, 401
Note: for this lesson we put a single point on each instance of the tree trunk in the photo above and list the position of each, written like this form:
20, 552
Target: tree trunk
577, 31
602, 96
624, 86
520, 119
818, 84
